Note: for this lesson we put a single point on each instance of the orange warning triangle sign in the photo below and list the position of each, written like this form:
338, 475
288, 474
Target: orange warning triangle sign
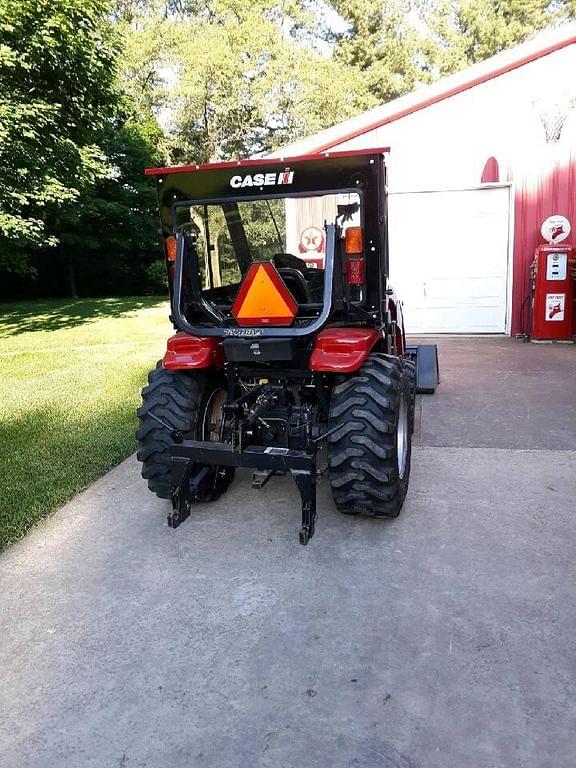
263, 298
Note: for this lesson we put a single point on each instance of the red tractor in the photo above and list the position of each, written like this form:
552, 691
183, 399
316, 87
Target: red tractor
277, 355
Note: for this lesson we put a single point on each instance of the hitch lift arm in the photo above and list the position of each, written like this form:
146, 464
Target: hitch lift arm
192, 474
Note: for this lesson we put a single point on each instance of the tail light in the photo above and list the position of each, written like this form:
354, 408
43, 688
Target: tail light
355, 271
354, 248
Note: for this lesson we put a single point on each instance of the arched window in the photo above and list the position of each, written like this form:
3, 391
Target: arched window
491, 172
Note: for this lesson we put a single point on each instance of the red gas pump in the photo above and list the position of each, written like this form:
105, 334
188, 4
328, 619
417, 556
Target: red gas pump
553, 273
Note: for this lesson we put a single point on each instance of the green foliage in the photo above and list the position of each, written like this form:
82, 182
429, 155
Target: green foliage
111, 234
467, 31
236, 81
146, 42
157, 277
397, 45
56, 87
382, 44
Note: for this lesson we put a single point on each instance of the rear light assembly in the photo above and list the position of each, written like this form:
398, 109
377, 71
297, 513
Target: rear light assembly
342, 350
354, 265
354, 241
170, 251
355, 271
170, 244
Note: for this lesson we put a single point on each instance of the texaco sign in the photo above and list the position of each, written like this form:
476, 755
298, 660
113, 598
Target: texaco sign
311, 241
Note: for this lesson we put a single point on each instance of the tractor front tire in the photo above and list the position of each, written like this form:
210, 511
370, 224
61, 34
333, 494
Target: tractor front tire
370, 446
181, 401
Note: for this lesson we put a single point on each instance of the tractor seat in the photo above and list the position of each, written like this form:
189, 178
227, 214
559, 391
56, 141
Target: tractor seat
296, 284
293, 271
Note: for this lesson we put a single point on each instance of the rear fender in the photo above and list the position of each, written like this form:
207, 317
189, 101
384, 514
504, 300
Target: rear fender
395, 313
185, 352
343, 350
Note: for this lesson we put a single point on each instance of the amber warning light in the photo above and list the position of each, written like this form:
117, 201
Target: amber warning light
171, 248
354, 241
263, 298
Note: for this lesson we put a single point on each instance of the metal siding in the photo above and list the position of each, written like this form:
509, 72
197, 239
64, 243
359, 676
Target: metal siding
548, 189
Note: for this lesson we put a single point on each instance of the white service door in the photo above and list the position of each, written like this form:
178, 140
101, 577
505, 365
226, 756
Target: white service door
449, 259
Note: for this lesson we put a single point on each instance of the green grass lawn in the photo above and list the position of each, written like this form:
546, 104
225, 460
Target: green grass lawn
70, 380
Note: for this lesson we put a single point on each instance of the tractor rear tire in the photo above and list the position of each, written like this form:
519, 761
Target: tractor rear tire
411, 374
369, 451
181, 401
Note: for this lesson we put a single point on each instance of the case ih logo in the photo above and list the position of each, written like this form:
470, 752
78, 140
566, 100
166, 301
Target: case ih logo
263, 179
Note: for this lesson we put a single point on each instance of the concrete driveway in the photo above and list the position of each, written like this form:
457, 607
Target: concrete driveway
443, 639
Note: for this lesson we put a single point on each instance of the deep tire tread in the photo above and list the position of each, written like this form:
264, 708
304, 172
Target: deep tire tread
177, 398
363, 465
174, 397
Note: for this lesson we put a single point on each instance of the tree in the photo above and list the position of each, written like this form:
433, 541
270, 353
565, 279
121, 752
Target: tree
467, 31
146, 33
234, 79
397, 44
56, 91
111, 233
381, 42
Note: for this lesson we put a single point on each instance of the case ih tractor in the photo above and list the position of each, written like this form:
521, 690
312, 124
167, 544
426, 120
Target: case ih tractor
288, 339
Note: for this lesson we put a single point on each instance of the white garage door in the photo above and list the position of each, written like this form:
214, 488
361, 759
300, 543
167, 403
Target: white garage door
449, 259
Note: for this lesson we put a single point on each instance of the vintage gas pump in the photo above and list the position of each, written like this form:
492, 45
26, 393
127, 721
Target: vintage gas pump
553, 273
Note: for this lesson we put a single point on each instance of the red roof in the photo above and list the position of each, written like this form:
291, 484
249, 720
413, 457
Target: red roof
542, 45
278, 158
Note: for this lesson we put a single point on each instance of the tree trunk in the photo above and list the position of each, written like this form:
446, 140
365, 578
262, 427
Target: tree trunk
73, 293
215, 259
